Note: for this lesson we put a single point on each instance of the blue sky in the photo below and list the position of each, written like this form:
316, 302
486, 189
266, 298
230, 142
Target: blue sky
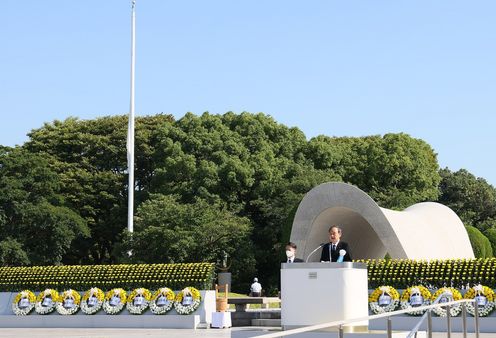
343, 68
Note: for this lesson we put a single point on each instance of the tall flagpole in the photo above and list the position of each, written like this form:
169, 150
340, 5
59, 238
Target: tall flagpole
130, 129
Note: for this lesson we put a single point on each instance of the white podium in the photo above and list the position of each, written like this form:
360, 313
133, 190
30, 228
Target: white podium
316, 293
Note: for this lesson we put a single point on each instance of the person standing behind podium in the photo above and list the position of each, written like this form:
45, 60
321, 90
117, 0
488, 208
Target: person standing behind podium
330, 251
291, 254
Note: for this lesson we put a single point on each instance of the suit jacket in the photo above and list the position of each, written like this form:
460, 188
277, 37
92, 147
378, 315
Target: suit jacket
324, 256
296, 260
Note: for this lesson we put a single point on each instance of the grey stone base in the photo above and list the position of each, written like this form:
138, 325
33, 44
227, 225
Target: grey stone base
116, 321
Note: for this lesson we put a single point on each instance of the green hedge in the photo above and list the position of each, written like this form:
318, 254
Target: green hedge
402, 273
127, 276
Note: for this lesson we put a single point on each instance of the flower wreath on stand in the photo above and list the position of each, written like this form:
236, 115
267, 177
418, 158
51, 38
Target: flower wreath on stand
384, 299
162, 301
23, 303
45, 302
187, 301
138, 301
484, 297
415, 296
114, 302
68, 302
451, 294
92, 301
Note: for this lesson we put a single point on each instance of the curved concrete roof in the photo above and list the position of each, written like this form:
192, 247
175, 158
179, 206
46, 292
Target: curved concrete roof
422, 231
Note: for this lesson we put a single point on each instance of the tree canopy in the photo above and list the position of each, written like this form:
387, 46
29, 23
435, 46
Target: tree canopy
204, 184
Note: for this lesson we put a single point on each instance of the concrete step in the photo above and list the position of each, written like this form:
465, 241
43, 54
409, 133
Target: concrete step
255, 315
266, 322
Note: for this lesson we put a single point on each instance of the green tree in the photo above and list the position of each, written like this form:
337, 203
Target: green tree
168, 231
92, 166
12, 253
480, 243
473, 199
490, 233
251, 163
396, 169
39, 227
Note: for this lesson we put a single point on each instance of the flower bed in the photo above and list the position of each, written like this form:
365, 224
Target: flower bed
105, 277
402, 273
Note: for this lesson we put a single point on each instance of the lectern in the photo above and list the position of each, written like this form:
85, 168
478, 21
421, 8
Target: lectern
316, 293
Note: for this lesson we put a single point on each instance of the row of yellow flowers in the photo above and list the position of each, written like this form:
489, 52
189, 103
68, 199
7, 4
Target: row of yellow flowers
129, 276
386, 298
401, 273
137, 301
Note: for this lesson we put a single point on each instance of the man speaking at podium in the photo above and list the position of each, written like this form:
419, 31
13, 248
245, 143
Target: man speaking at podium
332, 251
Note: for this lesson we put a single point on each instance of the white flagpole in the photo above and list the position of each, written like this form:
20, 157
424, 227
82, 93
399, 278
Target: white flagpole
130, 130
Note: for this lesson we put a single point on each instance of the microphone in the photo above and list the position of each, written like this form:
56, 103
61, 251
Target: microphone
317, 248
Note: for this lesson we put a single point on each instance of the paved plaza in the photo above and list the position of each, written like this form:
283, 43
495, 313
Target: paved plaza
169, 333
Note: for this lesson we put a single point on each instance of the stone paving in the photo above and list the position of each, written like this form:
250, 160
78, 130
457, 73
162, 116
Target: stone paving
169, 333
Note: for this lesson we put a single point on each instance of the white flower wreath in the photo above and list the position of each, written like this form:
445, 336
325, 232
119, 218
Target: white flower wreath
384, 299
92, 301
162, 301
68, 302
415, 296
485, 300
187, 301
115, 300
45, 302
23, 303
138, 301
451, 294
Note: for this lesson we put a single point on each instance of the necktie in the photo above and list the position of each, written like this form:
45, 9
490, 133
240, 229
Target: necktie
334, 247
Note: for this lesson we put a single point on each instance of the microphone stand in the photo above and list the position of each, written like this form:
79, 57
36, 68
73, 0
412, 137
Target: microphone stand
311, 253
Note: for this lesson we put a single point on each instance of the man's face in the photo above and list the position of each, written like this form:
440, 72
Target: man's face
334, 235
290, 252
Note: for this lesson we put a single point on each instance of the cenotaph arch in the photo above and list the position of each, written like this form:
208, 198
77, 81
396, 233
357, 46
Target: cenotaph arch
422, 231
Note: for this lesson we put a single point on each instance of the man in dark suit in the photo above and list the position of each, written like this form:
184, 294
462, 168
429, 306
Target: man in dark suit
291, 254
331, 251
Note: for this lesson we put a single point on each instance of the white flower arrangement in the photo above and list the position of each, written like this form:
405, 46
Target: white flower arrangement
450, 294
484, 296
45, 302
68, 302
114, 302
23, 303
138, 301
187, 301
92, 301
162, 301
415, 296
384, 299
